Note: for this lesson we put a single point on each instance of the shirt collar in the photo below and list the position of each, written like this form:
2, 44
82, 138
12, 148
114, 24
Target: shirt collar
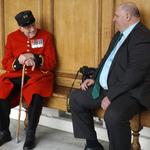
129, 29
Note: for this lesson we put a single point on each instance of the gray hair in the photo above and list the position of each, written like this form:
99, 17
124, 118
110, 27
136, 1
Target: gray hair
131, 8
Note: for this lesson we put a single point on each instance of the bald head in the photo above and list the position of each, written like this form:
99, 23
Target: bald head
130, 8
126, 15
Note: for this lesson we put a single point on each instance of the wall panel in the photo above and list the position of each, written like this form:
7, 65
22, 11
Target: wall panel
2, 28
107, 24
48, 15
76, 32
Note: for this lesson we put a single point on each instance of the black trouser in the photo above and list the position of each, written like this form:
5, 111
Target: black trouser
4, 115
34, 110
116, 117
82, 107
5, 105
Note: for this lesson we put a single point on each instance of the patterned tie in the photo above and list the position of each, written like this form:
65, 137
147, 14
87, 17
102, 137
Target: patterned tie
96, 87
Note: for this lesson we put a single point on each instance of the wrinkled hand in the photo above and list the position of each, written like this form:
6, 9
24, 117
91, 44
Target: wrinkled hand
30, 62
88, 82
24, 57
105, 103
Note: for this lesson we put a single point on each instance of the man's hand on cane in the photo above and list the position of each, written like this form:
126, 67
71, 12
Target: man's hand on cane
27, 59
30, 63
23, 57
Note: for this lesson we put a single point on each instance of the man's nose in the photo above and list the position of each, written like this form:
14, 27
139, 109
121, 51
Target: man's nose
31, 29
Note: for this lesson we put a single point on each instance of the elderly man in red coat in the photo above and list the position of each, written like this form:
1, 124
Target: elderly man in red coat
33, 48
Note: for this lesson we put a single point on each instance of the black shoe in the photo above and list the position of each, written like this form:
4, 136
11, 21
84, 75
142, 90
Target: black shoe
99, 147
4, 137
29, 142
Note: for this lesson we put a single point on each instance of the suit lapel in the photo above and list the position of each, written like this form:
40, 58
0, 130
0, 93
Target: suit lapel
107, 53
124, 44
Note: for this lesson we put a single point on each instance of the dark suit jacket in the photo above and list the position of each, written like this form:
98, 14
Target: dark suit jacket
130, 69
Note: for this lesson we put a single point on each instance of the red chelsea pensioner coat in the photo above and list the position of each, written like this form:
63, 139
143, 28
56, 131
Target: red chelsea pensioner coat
41, 79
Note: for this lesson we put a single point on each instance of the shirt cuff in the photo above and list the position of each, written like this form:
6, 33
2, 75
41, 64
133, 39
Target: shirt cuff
38, 60
16, 65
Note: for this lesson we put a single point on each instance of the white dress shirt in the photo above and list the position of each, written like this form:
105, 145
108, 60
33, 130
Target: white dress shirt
106, 67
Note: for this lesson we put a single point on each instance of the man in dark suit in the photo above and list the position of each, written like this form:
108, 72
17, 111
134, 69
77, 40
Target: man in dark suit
120, 86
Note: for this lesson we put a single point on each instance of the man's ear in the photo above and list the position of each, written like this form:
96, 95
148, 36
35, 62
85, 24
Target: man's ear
20, 28
128, 16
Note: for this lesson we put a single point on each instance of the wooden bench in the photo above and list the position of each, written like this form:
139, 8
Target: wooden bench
59, 101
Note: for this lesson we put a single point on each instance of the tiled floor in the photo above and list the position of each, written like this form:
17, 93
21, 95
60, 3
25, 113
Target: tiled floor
47, 139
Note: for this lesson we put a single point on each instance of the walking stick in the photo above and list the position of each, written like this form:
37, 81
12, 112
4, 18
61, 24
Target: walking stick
20, 105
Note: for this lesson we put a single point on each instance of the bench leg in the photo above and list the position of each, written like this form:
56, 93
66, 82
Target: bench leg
135, 127
135, 141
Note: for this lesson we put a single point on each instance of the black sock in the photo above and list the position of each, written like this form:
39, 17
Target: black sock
92, 143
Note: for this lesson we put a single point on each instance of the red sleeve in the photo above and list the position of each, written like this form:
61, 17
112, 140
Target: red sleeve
49, 57
8, 58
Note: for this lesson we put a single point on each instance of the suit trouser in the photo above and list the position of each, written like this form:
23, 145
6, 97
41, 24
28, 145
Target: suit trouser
116, 117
